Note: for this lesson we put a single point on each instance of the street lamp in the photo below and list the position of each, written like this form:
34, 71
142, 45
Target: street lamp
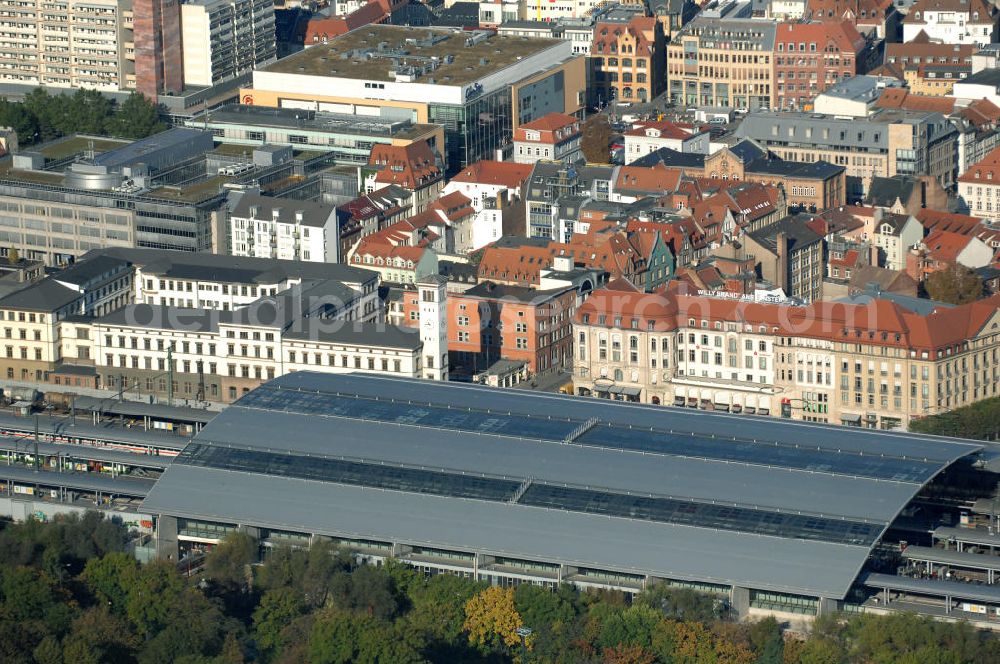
524, 633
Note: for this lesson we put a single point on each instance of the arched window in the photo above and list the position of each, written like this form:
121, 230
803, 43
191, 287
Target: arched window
618, 375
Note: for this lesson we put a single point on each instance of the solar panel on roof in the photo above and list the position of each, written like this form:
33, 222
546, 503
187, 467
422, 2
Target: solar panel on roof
679, 511
803, 457
399, 412
785, 455
375, 475
702, 515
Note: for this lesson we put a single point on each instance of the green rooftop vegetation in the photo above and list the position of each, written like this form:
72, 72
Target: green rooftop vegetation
192, 193
77, 145
465, 67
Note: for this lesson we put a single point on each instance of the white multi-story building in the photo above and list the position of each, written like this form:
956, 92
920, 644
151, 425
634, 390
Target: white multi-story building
225, 39
226, 283
219, 356
288, 229
552, 137
69, 44
172, 339
951, 21
651, 136
894, 235
494, 187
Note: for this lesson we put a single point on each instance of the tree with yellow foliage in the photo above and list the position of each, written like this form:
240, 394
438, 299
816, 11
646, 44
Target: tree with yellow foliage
492, 620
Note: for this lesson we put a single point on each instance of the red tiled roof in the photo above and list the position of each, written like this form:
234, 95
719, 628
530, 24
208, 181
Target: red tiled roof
986, 171
412, 166
666, 129
320, 29
657, 179
879, 322
923, 49
865, 12
843, 34
934, 220
945, 246
506, 173
904, 99
550, 122
981, 112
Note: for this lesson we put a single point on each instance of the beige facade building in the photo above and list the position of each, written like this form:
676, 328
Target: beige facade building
190, 332
722, 62
68, 43
888, 143
876, 365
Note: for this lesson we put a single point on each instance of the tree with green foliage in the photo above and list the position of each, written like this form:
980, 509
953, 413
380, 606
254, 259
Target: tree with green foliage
110, 578
979, 421
20, 119
42, 116
767, 641
320, 606
323, 562
596, 141
277, 609
681, 603
137, 117
99, 637
228, 563
955, 284
367, 590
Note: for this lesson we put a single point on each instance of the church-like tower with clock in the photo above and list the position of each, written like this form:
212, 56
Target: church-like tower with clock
433, 302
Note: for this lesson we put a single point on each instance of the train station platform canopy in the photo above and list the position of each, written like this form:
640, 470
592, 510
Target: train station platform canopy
933, 587
140, 409
121, 486
630, 488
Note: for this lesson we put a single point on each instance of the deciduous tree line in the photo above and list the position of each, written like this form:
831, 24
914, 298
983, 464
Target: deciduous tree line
69, 593
42, 116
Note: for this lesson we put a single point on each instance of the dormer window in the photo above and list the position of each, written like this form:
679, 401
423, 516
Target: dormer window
917, 16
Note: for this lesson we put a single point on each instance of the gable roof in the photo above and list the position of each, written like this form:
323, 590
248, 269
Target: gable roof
985, 171
505, 173
978, 10
412, 166
903, 99
884, 192
551, 122
945, 246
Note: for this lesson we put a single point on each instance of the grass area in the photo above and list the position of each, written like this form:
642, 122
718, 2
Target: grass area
36, 177
283, 182
191, 193
233, 150
77, 144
